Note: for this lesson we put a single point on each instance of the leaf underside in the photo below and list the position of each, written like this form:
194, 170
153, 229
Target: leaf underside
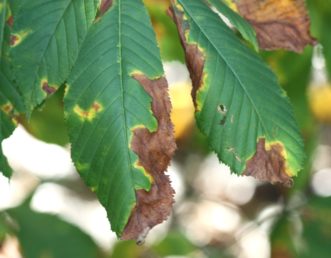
117, 110
239, 105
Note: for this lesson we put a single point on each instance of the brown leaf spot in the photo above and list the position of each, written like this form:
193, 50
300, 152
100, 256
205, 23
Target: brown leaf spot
7, 108
10, 21
13, 40
48, 89
154, 151
194, 58
268, 165
104, 7
278, 23
90, 113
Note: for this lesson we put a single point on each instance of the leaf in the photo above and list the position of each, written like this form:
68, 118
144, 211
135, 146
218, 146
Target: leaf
304, 234
166, 31
239, 105
46, 40
284, 236
317, 228
117, 108
174, 244
45, 235
47, 122
10, 102
278, 23
237, 21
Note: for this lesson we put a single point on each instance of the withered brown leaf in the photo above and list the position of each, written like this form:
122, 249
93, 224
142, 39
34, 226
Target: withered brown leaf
154, 151
268, 164
279, 24
194, 58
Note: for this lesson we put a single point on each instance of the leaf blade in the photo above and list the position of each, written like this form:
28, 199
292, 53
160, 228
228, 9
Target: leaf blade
48, 36
111, 95
10, 99
231, 86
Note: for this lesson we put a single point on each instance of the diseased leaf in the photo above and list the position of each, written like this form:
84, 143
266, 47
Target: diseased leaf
117, 109
278, 23
46, 40
237, 21
239, 105
10, 102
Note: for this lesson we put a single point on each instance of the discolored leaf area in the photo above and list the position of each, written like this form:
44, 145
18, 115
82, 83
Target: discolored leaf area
279, 24
117, 109
46, 39
10, 102
239, 105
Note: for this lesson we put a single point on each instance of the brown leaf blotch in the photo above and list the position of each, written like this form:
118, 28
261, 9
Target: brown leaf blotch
7, 108
279, 24
48, 89
104, 7
194, 58
154, 151
13, 40
268, 165
10, 21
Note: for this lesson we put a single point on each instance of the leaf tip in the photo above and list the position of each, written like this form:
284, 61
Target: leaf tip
269, 163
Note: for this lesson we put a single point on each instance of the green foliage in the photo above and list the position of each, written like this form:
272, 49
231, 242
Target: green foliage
10, 101
166, 31
44, 235
53, 32
116, 48
97, 49
304, 233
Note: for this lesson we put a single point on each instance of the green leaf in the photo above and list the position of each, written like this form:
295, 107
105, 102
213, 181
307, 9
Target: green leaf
175, 243
304, 233
285, 236
129, 249
239, 106
47, 122
10, 100
317, 233
46, 40
237, 21
166, 32
44, 235
117, 110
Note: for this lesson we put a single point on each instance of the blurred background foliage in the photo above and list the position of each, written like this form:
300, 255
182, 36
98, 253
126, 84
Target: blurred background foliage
216, 214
